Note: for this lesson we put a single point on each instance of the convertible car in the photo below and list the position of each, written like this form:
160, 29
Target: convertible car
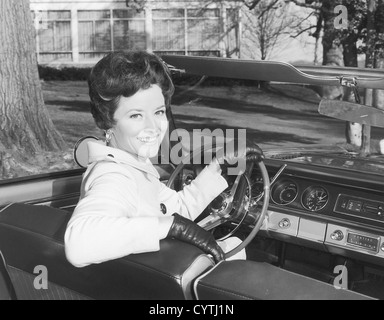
310, 214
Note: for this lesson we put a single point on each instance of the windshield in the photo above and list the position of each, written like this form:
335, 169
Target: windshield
282, 118
45, 105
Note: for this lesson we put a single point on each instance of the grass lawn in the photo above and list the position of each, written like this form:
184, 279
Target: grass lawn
68, 105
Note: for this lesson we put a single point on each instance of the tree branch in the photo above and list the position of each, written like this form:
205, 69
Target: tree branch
251, 4
315, 6
269, 7
302, 31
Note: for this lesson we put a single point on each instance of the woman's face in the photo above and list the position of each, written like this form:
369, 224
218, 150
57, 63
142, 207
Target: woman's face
141, 123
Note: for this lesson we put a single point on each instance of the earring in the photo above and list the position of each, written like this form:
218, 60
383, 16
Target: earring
108, 136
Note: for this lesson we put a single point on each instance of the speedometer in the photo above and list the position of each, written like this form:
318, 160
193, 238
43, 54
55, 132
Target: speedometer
315, 198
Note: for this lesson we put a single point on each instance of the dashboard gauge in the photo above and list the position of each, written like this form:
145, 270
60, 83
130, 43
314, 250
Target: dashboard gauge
315, 198
284, 192
257, 187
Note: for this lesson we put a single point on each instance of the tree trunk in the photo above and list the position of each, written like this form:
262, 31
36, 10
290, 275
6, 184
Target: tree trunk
378, 102
350, 51
332, 48
26, 128
339, 54
378, 95
378, 99
355, 132
369, 63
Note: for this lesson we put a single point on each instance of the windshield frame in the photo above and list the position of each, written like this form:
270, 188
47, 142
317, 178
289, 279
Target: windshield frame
277, 72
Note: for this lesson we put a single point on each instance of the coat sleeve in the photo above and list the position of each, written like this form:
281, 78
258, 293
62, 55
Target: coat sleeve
194, 198
106, 225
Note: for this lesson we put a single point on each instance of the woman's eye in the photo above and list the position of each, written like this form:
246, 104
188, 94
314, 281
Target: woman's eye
160, 112
135, 116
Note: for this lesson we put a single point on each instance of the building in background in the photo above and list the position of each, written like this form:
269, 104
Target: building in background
76, 32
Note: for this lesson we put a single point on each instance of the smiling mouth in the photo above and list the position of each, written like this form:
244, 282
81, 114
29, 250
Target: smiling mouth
148, 139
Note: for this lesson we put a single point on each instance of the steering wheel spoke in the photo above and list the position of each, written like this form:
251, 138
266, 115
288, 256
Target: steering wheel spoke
235, 186
213, 220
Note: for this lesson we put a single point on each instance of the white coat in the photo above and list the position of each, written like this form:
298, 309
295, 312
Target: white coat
119, 209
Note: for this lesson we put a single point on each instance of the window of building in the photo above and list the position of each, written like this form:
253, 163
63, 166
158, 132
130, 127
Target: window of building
54, 35
169, 30
179, 31
105, 30
129, 30
233, 33
203, 30
192, 31
94, 33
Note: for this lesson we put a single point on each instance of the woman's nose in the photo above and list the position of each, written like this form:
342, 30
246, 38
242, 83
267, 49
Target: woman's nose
150, 123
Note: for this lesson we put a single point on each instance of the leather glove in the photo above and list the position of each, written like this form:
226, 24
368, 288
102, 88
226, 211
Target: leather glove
188, 231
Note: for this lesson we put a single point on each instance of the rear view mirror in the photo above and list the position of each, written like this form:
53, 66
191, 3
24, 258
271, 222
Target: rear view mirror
352, 112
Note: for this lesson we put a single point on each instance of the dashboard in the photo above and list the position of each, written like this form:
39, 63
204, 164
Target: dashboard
333, 210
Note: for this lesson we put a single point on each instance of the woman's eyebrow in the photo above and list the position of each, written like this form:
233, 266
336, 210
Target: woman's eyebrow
142, 110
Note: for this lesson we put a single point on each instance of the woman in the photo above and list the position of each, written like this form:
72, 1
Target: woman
124, 208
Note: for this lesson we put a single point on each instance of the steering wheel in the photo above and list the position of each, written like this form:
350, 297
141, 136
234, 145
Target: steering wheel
230, 205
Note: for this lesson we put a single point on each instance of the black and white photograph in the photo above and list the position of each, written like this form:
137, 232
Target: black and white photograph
191, 154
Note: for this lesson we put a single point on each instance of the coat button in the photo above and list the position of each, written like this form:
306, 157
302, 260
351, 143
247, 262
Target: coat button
163, 208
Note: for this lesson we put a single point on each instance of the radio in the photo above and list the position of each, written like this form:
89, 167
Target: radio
365, 242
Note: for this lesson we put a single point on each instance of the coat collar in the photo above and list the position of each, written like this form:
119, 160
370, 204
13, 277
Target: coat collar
97, 152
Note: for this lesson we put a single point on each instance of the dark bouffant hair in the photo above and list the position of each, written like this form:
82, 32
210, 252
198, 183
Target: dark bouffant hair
124, 73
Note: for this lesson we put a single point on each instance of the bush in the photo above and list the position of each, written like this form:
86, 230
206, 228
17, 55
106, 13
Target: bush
66, 73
